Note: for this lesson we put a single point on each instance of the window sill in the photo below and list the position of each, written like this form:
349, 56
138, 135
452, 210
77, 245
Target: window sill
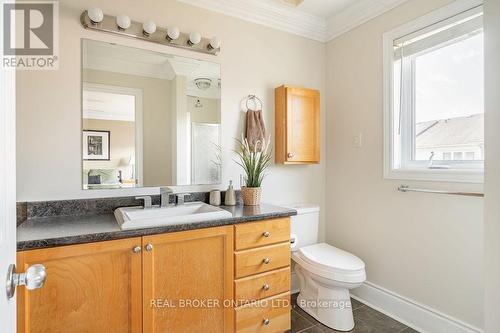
437, 175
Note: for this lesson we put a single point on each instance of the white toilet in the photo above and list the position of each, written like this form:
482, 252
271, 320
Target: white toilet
325, 273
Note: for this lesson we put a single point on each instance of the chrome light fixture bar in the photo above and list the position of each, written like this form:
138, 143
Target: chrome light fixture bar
144, 31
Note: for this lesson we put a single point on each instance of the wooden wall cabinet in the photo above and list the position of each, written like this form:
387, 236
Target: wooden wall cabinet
297, 125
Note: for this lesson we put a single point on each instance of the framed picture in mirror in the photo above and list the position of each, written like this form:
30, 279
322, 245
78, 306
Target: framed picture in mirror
96, 145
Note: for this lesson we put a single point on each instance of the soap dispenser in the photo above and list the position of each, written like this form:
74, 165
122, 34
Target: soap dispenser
230, 199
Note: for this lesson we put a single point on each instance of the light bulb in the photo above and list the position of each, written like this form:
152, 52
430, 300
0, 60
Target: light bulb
95, 15
173, 33
214, 43
148, 28
123, 22
194, 38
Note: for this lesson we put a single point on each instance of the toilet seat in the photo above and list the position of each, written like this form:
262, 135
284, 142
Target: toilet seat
330, 262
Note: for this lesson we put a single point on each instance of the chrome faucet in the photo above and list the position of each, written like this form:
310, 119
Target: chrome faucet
165, 193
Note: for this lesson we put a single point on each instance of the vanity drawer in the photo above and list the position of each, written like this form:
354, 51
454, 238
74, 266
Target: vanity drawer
270, 315
261, 286
255, 234
262, 259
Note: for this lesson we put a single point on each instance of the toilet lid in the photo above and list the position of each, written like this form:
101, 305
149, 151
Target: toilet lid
331, 258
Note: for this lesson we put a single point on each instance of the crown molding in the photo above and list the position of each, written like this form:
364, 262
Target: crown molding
295, 21
269, 14
358, 14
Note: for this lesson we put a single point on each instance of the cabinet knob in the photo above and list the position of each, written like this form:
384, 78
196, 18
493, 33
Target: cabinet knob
265, 287
266, 321
266, 261
266, 234
136, 249
149, 247
291, 155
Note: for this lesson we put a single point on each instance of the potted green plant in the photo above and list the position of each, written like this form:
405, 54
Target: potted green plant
254, 159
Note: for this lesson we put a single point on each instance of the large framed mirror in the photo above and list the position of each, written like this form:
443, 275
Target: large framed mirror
148, 118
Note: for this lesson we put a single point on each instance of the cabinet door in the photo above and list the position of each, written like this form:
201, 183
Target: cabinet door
89, 288
303, 125
187, 277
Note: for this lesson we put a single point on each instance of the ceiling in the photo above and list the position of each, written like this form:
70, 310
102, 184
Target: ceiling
321, 8
321, 20
133, 61
108, 106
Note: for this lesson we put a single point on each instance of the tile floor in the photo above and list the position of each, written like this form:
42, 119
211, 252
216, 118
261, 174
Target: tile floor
367, 320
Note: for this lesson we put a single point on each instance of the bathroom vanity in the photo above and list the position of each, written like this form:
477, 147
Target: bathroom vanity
229, 275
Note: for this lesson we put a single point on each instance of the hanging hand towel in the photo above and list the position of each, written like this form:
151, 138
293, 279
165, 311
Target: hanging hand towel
255, 128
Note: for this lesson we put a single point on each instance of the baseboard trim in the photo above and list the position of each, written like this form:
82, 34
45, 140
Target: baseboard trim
413, 314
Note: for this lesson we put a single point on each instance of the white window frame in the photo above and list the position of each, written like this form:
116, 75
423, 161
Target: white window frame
407, 169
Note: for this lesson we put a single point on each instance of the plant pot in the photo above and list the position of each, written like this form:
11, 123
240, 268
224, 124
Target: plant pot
251, 195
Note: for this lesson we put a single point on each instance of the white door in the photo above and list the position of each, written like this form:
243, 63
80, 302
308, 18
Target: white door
7, 192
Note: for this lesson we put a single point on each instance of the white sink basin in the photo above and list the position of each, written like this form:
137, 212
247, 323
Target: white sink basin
138, 217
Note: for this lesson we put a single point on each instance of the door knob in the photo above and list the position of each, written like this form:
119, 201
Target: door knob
136, 249
149, 247
34, 278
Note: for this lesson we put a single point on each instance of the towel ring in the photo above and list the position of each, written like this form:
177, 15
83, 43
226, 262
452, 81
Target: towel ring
255, 99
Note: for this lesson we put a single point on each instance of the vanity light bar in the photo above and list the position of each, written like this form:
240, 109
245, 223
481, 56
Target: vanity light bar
149, 32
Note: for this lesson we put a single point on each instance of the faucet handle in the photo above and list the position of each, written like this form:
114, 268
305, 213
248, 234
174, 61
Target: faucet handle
147, 201
181, 197
166, 190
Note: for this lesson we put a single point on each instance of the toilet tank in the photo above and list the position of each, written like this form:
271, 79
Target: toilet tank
305, 225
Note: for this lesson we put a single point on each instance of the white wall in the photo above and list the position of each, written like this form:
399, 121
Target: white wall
156, 134
492, 176
122, 142
208, 113
425, 247
254, 60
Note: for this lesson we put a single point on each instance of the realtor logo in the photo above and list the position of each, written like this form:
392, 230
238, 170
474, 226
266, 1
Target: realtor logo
30, 35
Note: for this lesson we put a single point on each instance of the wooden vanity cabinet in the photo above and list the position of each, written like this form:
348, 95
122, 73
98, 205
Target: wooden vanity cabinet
183, 266
262, 276
297, 125
154, 284
94, 287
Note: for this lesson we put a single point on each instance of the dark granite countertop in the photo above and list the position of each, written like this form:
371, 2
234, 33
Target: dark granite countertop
46, 232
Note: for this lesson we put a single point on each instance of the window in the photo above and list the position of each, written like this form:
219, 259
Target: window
469, 156
434, 97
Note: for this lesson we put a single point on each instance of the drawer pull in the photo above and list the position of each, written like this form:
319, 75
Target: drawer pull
266, 261
266, 321
265, 287
136, 249
149, 247
266, 234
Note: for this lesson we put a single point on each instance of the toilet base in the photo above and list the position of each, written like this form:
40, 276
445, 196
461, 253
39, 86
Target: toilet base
328, 304
337, 319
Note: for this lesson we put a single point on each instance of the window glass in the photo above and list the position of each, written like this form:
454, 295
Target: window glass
448, 102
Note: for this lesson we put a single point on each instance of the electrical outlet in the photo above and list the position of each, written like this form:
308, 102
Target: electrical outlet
357, 141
